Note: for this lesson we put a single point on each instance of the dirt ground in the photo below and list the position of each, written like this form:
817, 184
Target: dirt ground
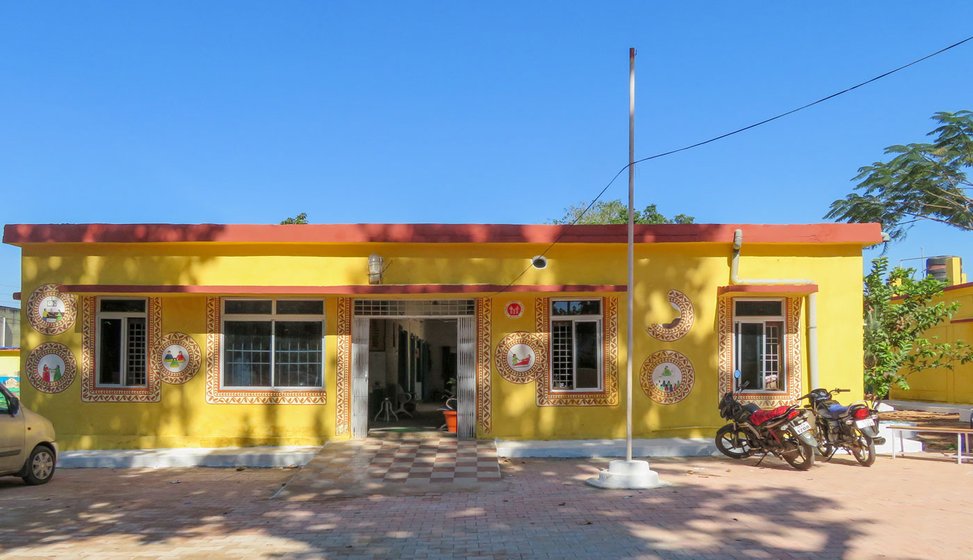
931, 442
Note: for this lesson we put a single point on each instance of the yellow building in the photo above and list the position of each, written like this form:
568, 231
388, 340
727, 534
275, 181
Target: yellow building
946, 385
10, 369
146, 336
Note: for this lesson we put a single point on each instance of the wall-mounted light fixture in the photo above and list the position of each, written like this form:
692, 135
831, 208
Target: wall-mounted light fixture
376, 266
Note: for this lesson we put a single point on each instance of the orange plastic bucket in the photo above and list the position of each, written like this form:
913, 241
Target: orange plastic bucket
450, 420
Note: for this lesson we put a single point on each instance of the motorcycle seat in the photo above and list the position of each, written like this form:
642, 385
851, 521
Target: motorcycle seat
835, 410
763, 416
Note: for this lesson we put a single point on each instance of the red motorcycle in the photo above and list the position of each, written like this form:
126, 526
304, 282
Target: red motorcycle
783, 431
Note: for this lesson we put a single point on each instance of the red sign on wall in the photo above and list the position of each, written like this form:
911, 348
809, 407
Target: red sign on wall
514, 310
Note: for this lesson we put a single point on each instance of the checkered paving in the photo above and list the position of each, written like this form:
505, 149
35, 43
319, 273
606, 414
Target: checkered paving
418, 460
442, 459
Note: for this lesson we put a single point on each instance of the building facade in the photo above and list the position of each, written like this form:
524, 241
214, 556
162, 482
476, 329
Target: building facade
150, 336
946, 385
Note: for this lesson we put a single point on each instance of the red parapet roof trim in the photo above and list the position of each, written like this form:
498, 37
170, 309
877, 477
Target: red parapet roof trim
336, 290
23, 234
958, 286
966, 320
768, 289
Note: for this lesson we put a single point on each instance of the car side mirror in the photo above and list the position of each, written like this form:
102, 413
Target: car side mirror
13, 406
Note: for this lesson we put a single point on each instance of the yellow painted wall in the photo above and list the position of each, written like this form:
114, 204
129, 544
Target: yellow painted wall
946, 385
183, 418
10, 369
697, 272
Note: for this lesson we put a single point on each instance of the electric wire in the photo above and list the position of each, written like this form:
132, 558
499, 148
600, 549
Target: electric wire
721, 137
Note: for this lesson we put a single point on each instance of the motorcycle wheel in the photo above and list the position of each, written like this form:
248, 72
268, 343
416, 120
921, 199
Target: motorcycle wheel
825, 448
801, 458
864, 451
733, 443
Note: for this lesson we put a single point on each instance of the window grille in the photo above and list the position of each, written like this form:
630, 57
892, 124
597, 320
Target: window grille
122, 342
575, 345
562, 355
414, 308
135, 368
759, 345
273, 343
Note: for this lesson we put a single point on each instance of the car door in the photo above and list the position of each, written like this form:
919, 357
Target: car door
11, 436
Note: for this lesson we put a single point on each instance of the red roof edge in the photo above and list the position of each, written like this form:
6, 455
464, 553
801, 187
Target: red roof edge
363, 289
23, 234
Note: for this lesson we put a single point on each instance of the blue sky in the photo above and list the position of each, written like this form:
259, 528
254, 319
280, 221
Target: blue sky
455, 112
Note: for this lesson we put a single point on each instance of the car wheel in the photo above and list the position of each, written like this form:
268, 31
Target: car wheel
39, 468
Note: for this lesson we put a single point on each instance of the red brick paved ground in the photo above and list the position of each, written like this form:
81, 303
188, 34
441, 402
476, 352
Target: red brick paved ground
913, 508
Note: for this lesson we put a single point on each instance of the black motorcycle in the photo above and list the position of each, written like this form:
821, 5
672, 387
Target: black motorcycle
853, 428
783, 431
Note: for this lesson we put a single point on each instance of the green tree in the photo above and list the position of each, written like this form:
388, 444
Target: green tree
616, 212
925, 181
299, 219
898, 313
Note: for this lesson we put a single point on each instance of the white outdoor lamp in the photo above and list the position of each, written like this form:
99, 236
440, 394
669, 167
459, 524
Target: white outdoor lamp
375, 269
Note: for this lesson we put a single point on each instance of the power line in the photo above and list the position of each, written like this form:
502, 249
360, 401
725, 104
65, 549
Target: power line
727, 135
807, 106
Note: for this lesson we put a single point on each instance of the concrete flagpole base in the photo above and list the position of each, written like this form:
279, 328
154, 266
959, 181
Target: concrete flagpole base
627, 475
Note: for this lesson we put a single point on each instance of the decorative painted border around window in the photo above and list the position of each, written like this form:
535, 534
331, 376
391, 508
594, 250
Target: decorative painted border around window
792, 322
535, 360
484, 387
43, 376
667, 393
609, 395
343, 374
172, 369
679, 326
217, 395
90, 392
51, 311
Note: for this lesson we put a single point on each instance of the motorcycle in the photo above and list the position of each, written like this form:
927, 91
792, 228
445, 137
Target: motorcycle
783, 431
853, 428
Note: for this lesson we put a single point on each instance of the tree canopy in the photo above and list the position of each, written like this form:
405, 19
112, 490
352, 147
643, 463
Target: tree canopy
298, 219
898, 313
616, 212
923, 181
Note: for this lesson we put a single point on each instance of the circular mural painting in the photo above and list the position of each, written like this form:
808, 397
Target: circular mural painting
679, 326
49, 311
667, 377
51, 367
179, 357
520, 357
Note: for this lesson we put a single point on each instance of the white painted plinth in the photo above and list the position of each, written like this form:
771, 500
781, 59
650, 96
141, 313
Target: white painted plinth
627, 475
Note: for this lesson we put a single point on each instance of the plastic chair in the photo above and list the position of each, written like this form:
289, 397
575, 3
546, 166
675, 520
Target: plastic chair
403, 398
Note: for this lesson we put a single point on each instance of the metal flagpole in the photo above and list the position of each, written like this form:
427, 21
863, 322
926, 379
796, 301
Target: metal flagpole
631, 251
629, 474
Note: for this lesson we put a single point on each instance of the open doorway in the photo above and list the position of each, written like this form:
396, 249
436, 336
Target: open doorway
412, 367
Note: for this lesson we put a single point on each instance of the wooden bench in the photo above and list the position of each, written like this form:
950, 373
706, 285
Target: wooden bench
961, 434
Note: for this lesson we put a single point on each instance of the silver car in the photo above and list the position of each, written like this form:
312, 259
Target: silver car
27, 447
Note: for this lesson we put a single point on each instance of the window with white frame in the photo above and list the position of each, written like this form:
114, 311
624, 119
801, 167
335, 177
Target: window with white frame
273, 343
122, 342
576, 339
758, 342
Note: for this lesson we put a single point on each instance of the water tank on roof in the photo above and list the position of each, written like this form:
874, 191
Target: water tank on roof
937, 267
